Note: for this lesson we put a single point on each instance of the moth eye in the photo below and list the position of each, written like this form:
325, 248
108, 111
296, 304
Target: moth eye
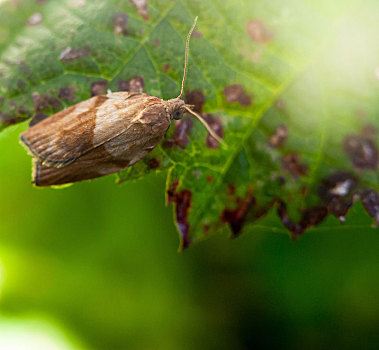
178, 114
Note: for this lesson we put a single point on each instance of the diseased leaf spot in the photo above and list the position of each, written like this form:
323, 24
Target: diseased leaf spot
99, 87
134, 85
120, 22
209, 179
166, 67
197, 34
142, 8
154, 163
34, 19
310, 217
278, 139
337, 192
156, 42
236, 218
196, 99
258, 31
44, 101
69, 54
362, 151
67, 93
231, 190
182, 128
370, 201
182, 203
236, 93
216, 125
292, 163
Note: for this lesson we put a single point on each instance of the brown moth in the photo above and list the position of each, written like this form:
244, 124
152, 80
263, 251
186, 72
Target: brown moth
102, 135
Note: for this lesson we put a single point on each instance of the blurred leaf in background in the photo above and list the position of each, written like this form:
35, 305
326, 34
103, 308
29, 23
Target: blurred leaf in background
291, 86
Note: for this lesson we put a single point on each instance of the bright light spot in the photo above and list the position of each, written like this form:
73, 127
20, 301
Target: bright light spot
2, 277
31, 335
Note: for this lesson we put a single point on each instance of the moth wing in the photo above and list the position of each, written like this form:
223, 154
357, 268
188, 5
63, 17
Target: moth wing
115, 155
64, 137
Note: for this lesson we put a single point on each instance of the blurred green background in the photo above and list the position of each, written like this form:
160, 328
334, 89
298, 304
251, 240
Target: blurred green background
95, 266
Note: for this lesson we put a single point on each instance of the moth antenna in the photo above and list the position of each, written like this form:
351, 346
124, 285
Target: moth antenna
213, 134
186, 56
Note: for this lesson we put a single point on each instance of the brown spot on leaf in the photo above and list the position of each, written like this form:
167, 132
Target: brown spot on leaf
120, 22
362, 151
231, 190
182, 128
34, 19
67, 93
171, 192
197, 34
99, 87
210, 179
182, 203
292, 163
141, 8
166, 67
156, 42
154, 163
134, 85
279, 137
337, 192
69, 54
310, 217
236, 218
216, 125
258, 31
37, 118
370, 201
44, 101
7, 120
196, 99
236, 93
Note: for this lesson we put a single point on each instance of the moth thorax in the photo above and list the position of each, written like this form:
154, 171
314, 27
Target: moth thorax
174, 108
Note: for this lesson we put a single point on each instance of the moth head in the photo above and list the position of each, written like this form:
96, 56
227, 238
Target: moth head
174, 108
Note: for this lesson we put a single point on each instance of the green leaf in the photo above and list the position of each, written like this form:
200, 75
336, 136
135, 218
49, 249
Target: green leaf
292, 87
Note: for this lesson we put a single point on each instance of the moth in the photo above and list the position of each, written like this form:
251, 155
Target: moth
102, 135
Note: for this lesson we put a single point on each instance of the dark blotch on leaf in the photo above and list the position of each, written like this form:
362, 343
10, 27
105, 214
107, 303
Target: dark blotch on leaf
196, 99
197, 34
362, 151
310, 217
120, 22
7, 120
216, 125
292, 163
44, 101
337, 192
279, 137
258, 31
210, 179
69, 54
133, 85
370, 201
236, 218
37, 118
154, 163
236, 93
99, 87
166, 67
156, 42
182, 128
141, 8
67, 93
182, 203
